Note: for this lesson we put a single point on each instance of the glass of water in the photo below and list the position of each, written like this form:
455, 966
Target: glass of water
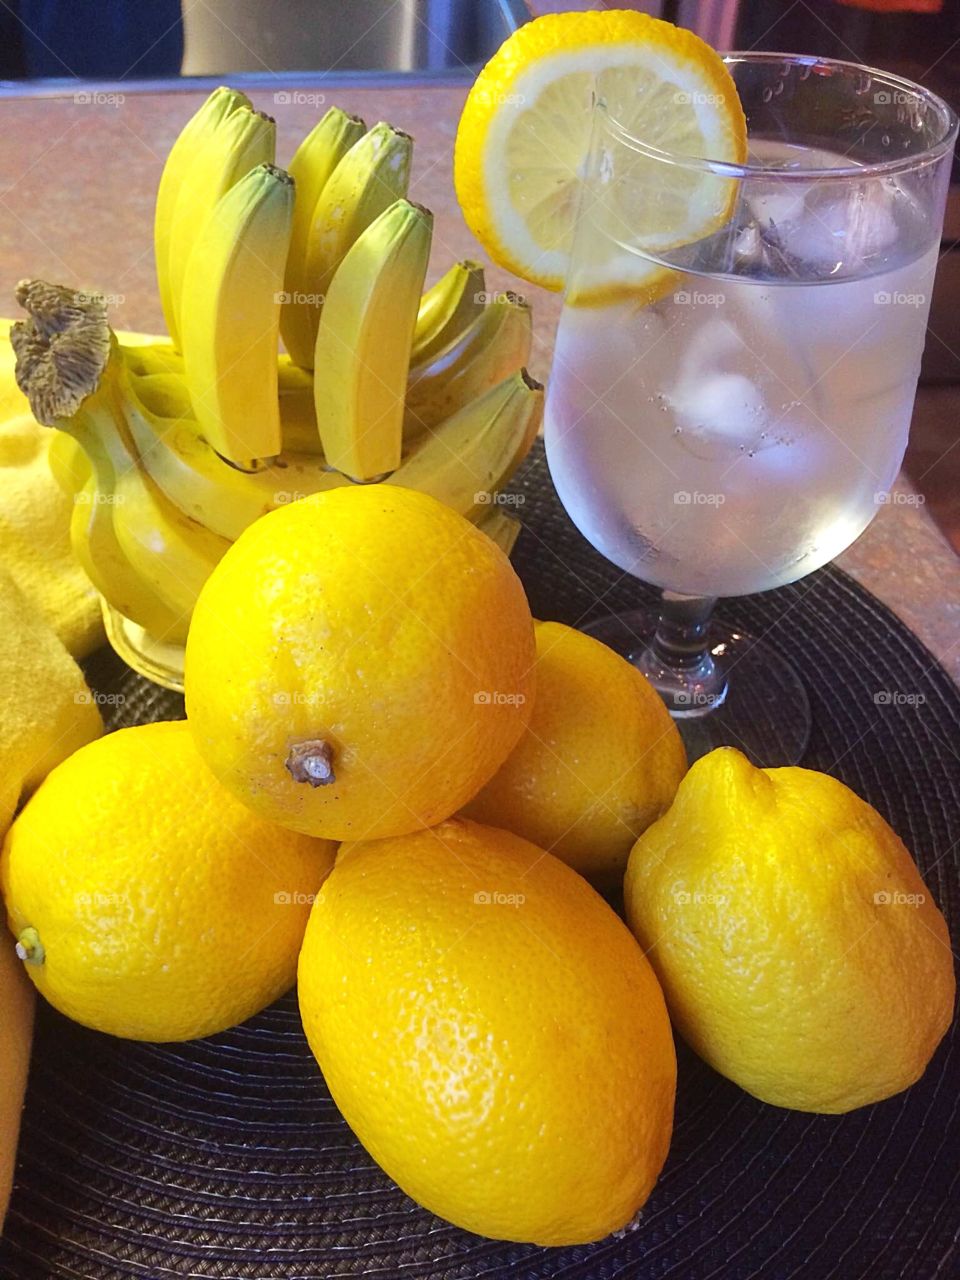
729, 421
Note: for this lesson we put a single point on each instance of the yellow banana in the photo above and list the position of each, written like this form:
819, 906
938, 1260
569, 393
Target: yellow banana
164, 391
495, 344
172, 554
298, 414
142, 554
220, 104
312, 165
149, 358
371, 176
462, 462
239, 142
362, 355
182, 464
231, 316
69, 368
68, 463
447, 308
502, 529
465, 460
93, 533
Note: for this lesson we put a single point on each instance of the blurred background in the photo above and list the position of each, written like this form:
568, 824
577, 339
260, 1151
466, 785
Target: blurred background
113, 39
124, 40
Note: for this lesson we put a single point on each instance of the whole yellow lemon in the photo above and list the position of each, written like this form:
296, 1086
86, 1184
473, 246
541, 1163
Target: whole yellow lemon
146, 901
600, 760
360, 663
800, 951
491, 1032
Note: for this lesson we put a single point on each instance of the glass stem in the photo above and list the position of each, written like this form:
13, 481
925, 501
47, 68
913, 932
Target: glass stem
678, 661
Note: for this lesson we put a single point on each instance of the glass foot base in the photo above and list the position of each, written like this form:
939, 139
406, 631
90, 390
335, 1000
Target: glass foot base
154, 659
763, 709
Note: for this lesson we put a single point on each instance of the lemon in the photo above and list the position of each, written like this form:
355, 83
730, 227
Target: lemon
146, 901
360, 663
600, 760
800, 951
524, 138
491, 1032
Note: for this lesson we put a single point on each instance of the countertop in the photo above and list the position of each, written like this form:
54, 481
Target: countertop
77, 183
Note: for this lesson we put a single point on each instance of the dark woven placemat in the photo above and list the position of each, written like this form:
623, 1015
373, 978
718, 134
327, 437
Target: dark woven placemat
226, 1157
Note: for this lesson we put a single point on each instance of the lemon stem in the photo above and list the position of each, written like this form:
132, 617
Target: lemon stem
312, 762
29, 947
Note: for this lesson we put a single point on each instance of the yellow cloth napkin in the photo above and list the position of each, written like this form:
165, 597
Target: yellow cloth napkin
35, 521
46, 710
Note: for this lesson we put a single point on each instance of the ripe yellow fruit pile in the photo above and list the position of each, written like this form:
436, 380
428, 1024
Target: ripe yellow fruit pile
362, 670
362, 666
171, 447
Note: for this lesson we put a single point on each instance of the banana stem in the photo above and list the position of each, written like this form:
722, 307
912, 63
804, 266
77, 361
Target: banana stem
62, 348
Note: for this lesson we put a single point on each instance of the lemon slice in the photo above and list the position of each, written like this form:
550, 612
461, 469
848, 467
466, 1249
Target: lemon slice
524, 138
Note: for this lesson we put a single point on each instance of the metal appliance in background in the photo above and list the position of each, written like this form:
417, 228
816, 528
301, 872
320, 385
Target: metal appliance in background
344, 35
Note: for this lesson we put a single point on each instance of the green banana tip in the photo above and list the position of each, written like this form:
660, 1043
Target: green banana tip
384, 126
281, 175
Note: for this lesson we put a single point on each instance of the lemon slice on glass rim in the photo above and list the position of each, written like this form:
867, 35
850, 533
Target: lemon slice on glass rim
524, 140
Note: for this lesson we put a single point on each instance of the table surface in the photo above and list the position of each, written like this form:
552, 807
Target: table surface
77, 184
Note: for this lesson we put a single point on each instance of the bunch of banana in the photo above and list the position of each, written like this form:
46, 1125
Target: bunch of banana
175, 447
140, 551
155, 505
